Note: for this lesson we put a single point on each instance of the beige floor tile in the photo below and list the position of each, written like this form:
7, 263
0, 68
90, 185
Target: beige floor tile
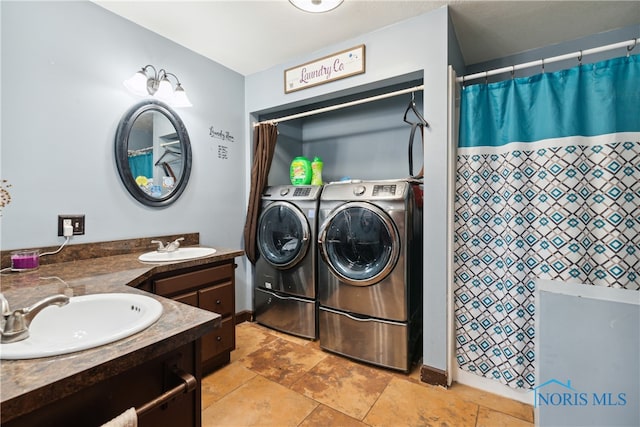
408, 404
323, 416
498, 403
252, 391
224, 381
283, 361
412, 375
249, 338
343, 385
259, 402
490, 418
292, 338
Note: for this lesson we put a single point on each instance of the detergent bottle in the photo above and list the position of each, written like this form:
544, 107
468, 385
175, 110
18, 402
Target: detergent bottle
300, 171
316, 171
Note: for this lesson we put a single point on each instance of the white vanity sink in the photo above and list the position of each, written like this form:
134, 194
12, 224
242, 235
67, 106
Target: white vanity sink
181, 254
87, 321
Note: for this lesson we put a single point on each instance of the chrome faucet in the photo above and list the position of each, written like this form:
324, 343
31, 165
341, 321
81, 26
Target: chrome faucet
170, 247
14, 325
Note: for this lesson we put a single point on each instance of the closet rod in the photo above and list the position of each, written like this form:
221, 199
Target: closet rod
542, 62
338, 106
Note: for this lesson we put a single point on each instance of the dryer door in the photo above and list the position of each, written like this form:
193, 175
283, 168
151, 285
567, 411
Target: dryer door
360, 243
283, 235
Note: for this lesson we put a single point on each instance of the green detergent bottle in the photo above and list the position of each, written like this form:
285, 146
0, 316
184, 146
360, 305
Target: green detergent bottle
316, 171
300, 171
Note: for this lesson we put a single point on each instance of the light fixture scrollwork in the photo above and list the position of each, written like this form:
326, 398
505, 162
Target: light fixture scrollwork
158, 85
316, 6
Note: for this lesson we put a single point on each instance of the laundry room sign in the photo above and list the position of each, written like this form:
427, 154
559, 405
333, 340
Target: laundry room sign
324, 70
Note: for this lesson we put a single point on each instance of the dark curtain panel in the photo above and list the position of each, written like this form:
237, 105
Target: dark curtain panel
264, 141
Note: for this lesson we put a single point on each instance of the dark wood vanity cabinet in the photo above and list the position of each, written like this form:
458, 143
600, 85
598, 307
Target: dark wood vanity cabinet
142, 386
210, 287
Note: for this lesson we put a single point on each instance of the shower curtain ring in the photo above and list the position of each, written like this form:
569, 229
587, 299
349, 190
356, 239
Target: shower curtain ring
631, 47
580, 58
513, 72
486, 77
542, 64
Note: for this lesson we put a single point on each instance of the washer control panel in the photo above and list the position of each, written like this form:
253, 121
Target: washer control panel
291, 192
301, 191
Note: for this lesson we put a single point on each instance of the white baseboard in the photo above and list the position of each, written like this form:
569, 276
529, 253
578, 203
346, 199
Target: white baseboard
476, 381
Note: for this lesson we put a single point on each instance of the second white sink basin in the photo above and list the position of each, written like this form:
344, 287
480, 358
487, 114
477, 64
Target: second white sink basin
87, 321
181, 254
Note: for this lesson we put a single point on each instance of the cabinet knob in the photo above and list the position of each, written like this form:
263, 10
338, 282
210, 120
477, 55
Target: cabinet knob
218, 302
219, 338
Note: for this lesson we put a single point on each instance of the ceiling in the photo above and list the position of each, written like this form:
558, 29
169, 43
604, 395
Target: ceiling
252, 36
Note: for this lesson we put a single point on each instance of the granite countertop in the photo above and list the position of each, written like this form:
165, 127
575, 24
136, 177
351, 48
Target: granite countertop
26, 384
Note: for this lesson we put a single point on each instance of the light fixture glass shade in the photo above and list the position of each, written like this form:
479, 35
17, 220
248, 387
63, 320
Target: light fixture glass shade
137, 84
165, 91
180, 97
316, 6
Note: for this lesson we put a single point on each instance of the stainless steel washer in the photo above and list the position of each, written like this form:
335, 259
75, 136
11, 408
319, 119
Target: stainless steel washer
285, 277
370, 272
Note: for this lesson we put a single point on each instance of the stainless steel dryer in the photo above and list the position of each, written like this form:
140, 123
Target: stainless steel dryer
370, 272
286, 271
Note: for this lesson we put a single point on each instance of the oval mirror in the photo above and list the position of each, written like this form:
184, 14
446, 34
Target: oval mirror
153, 153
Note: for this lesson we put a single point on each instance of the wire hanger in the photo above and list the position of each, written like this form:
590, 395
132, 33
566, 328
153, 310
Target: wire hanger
412, 107
421, 124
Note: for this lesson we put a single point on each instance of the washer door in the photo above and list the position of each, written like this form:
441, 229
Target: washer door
283, 235
359, 243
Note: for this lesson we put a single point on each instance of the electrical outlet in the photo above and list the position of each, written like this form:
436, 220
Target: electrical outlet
76, 221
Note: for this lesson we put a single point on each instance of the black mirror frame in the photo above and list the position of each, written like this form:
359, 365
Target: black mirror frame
121, 152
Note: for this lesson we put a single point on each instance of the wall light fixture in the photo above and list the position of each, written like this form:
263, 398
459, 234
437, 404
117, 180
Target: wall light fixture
158, 86
316, 6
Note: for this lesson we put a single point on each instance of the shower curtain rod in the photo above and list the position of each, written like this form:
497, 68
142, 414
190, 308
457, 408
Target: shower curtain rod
542, 62
339, 106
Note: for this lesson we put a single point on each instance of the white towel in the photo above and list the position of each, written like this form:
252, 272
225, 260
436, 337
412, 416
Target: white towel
128, 418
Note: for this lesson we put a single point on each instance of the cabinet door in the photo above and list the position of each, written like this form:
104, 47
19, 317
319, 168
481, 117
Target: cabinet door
219, 299
220, 340
190, 298
179, 283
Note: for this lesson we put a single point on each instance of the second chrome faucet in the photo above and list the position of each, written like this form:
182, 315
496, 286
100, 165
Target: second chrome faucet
170, 247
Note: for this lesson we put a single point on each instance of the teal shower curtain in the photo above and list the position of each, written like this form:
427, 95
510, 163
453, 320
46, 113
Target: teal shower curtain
547, 187
141, 165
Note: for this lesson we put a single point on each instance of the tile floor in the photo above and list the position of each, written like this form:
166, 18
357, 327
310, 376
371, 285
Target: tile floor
275, 379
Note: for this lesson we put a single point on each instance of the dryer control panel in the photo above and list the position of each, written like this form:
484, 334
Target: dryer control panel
365, 190
384, 190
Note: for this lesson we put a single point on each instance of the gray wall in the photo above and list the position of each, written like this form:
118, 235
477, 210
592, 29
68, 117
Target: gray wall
367, 141
590, 336
350, 140
418, 45
63, 64
589, 42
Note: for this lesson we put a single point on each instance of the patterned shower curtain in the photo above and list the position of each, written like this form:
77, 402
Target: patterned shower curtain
547, 187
